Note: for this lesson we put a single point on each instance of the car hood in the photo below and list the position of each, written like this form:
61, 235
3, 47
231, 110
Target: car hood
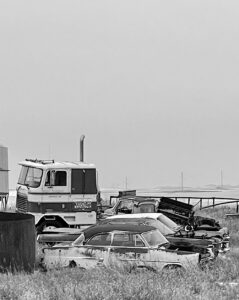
188, 242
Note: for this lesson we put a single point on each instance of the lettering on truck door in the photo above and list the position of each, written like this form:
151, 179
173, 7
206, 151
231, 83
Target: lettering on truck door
56, 188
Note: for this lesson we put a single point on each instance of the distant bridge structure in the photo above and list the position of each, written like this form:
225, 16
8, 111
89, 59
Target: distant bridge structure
205, 202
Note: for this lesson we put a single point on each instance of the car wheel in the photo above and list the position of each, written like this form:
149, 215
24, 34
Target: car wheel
176, 268
72, 264
142, 269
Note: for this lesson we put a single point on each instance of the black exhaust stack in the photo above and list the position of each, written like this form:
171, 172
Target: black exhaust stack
82, 148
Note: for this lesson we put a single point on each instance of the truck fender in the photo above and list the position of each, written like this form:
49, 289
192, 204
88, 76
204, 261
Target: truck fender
50, 220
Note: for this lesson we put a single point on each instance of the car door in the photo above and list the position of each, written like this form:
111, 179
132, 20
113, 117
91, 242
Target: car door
98, 246
128, 248
100, 241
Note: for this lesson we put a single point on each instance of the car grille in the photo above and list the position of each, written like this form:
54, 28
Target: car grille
21, 204
225, 245
204, 259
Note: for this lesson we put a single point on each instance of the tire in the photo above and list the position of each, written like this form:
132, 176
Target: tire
46, 223
176, 268
142, 269
72, 264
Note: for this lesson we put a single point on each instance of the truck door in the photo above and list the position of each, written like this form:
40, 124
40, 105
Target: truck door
56, 186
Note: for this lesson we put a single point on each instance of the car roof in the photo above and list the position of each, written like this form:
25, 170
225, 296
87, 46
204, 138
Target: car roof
95, 229
137, 216
123, 220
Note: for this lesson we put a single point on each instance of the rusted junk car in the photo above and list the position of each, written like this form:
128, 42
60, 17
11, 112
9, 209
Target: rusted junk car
179, 212
136, 246
206, 247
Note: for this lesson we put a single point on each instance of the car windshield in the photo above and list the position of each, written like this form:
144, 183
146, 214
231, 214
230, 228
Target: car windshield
79, 240
161, 227
146, 208
154, 238
169, 223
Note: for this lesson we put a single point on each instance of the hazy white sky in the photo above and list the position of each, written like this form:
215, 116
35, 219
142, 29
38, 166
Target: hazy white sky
152, 84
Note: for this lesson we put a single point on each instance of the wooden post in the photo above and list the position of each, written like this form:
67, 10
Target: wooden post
200, 203
237, 207
188, 200
213, 202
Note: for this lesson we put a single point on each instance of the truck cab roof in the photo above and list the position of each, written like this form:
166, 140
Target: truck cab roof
51, 164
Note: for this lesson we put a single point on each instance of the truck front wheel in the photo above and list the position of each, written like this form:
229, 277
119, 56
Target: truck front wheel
47, 223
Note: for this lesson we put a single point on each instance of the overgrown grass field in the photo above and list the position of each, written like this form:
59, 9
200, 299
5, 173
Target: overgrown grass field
220, 281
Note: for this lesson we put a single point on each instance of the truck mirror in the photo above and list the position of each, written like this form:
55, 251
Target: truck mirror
53, 177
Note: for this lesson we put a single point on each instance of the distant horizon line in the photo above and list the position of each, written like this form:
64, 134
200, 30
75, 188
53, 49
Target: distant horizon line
171, 187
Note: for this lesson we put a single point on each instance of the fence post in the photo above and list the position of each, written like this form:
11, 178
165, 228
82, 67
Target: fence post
213, 202
200, 203
237, 208
188, 200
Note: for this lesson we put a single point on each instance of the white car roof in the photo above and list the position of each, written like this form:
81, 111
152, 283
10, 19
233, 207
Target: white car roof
57, 165
140, 215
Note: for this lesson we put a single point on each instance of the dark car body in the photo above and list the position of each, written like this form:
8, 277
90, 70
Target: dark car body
181, 213
176, 238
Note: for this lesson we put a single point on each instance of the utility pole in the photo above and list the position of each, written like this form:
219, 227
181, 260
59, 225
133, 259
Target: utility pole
182, 181
49, 151
221, 178
126, 183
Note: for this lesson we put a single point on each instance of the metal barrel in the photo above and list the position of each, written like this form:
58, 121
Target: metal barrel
17, 242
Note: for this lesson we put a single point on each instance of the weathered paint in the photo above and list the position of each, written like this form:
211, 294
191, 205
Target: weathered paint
17, 242
89, 256
4, 185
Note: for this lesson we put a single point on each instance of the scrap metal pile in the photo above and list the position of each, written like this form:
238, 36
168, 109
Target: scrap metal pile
140, 232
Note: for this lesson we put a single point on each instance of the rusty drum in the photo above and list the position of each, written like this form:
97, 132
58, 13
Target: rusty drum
17, 242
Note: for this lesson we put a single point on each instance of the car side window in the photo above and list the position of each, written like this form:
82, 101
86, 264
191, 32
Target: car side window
79, 240
123, 239
103, 239
138, 241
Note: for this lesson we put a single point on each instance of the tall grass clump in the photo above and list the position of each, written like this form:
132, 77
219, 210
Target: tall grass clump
111, 283
219, 280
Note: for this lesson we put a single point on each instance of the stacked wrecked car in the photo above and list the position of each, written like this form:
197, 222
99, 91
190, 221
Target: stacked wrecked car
136, 246
139, 232
181, 213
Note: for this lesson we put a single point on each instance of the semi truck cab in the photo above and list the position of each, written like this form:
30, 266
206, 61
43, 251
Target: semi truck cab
59, 194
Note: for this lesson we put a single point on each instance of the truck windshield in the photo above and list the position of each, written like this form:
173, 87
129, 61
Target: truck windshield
30, 176
22, 176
